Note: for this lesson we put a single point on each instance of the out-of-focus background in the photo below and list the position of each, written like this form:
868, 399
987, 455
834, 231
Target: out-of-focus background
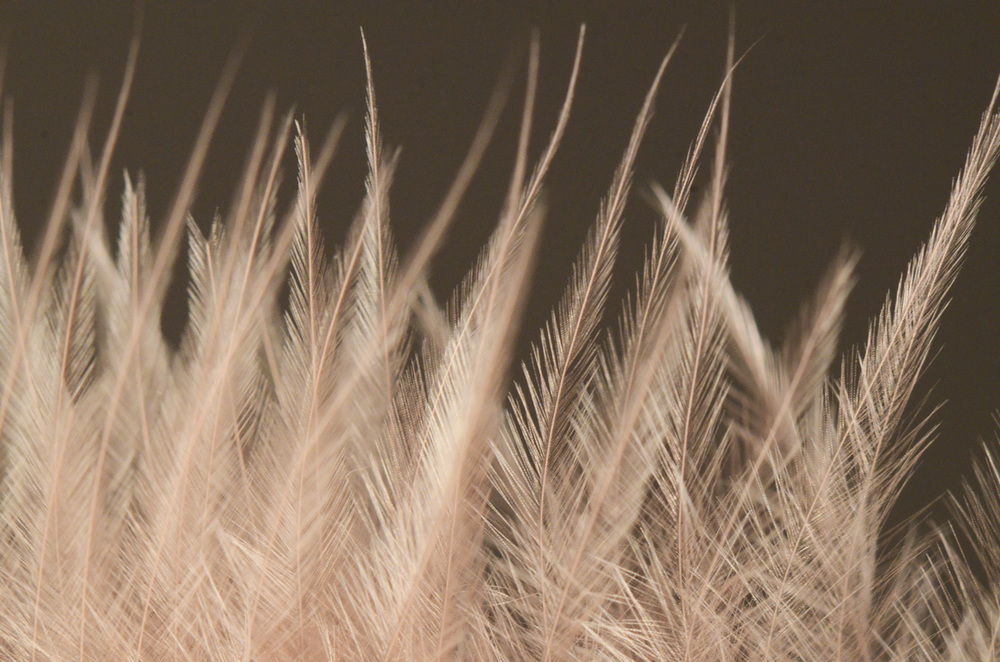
850, 120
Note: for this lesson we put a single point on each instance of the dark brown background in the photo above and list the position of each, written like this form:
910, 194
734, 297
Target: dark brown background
849, 121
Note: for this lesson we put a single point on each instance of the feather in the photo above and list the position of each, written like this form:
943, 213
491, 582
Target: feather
355, 472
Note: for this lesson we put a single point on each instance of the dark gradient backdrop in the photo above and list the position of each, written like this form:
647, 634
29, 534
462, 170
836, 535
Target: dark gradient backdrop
849, 121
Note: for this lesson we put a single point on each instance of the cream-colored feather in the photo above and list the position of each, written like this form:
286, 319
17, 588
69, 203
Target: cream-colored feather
358, 473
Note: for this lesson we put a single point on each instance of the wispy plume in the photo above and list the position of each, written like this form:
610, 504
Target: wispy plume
353, 472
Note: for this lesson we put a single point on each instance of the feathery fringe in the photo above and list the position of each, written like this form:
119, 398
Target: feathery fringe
349, 477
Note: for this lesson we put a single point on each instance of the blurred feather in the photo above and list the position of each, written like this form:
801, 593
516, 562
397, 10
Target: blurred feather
360, 473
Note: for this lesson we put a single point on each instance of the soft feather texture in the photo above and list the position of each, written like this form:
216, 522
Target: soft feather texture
360, 474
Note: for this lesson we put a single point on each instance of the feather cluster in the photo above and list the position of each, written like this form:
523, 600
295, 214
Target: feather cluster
331, 466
